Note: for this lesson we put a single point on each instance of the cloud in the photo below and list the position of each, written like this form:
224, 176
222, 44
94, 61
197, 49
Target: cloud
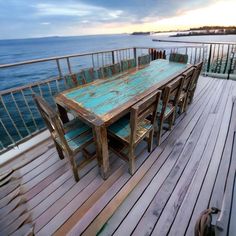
27, 18
45, 9
141, 9
45, 23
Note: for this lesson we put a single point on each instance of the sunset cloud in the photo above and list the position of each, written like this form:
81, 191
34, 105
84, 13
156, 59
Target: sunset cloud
27, 18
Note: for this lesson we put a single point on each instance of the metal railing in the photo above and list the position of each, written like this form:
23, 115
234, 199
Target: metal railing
219, 59
19, 117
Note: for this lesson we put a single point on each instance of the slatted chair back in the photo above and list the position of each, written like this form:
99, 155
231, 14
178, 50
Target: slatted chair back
88, 75
188, 77
193, 84
177, 57
73, 80
155, 54
144, 60
110, 70
197, 72
128, 64
51, 119
145, 108
171, 93
98, 74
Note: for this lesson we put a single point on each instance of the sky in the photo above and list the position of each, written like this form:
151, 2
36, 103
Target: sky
43, 18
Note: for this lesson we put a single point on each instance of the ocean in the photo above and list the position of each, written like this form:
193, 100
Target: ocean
19, 50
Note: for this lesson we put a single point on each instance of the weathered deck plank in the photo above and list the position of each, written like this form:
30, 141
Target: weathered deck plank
206, 189
154, 211
187, 207
194, 114
193, 168
200, 172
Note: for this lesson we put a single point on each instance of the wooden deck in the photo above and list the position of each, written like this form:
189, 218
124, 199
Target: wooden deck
193, 169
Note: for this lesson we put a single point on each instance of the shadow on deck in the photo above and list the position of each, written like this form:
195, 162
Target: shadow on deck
193, 169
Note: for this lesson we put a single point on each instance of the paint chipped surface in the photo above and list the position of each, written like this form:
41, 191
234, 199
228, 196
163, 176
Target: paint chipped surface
102, 98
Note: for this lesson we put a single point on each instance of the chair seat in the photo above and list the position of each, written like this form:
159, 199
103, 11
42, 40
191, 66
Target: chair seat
122, 130
169, 108
77, 134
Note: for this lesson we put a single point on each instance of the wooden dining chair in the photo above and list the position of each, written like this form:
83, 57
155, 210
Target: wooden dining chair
98, 73
127, 64
131, 130
177, 57
144, 60
88, 75
155, 54
70, 138
75, 79
167, 107
183, 98
193, 85
110, 70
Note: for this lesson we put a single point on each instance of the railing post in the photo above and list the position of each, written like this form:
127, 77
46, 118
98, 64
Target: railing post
113, 57
135, 56
59, 68
209, 59
227, 58
68, 64
231, 63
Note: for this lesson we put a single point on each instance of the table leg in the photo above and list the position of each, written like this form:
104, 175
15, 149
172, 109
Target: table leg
63, 114
102, 150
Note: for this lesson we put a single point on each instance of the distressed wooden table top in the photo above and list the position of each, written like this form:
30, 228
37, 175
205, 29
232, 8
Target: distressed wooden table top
104, 100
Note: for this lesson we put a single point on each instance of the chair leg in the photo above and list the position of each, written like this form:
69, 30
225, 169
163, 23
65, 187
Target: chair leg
150, 140
181, 107
171, 120
131, 161
159, 131
191, 96
59, 151
74, 168
185, 104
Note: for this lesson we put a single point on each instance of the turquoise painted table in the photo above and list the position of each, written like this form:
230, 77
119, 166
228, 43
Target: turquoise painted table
102, 102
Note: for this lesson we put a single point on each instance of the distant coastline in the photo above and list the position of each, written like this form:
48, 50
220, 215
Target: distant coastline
205, 30
154, 32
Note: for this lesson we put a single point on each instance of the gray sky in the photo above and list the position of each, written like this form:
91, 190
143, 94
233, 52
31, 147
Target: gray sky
31, 18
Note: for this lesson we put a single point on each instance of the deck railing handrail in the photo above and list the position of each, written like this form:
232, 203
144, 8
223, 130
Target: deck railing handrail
39, 60
59, 57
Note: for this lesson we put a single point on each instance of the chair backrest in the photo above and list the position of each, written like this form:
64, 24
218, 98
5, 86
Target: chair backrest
171, 93
128, 64
197, 72
98, 73
73, 80
144, 60
110, 70
51, 119
147, 107
177, 57
88, 75
188, 77
155, 54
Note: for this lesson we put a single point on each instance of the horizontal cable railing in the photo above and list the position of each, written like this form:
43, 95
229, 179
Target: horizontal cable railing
19, 117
